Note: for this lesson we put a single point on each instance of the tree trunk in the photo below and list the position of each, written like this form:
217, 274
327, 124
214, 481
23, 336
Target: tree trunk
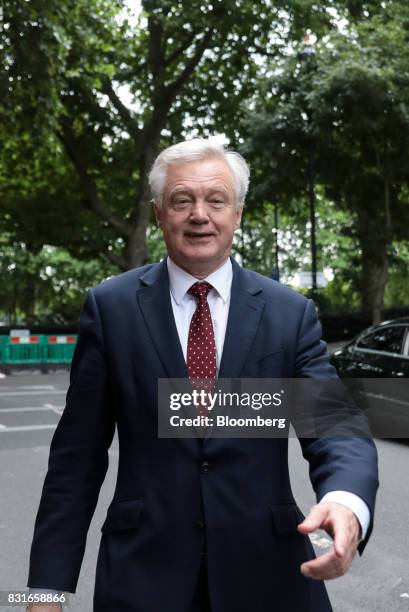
374, 279
375, 234
28, 299
136, 250
373, 238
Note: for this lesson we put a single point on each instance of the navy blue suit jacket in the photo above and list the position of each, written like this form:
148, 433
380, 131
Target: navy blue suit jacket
166, 506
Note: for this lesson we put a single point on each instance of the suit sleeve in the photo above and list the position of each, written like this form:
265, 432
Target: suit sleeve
77, 465
335, 463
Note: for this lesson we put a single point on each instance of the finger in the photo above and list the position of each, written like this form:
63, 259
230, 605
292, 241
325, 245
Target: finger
325, 567
314, 520
346, 531
342, 541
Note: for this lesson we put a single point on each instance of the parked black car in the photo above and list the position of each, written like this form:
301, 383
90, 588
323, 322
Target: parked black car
378, 360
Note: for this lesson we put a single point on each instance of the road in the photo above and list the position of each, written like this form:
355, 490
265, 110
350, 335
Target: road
30, 406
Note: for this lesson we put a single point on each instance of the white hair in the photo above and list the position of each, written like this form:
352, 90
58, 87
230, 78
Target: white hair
196, 149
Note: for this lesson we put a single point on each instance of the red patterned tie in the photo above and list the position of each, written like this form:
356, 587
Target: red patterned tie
201, 347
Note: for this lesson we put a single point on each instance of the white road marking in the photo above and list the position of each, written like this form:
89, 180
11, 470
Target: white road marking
2, 426
27, 387
57, 409
406, 595
28, 408
14, 393
26, 428
392, 400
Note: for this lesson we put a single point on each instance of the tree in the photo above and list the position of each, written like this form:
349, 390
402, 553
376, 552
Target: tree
45, 287
68, 70
347, 112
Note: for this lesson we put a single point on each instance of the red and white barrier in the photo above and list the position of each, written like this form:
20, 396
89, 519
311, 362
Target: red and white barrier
61, 339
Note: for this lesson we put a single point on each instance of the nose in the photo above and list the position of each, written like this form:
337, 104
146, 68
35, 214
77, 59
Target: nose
199, 212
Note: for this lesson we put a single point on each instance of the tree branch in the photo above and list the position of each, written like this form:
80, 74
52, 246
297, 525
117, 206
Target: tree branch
171, 90
123, 111
162, 101
181, 49
102, 249
155, 46
164, 96
89, 186
125, 75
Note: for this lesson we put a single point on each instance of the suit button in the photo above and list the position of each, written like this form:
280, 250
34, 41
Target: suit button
199, 524
205, 467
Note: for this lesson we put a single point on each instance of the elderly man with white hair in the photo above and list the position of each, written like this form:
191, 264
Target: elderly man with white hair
196, 524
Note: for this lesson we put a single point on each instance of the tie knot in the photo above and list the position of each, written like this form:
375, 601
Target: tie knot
200, 291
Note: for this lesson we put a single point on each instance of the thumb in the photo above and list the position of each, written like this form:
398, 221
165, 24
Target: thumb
314, 519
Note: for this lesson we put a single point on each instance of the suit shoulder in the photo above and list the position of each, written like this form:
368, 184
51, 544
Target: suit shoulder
122, 282
275, 289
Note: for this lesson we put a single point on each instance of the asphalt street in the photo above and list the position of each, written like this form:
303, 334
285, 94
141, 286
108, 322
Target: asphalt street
30, 406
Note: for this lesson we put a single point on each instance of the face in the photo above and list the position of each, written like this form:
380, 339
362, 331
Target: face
198, 215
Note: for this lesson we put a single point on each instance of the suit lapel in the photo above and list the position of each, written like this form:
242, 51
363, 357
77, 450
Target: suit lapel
154, 301
246, 307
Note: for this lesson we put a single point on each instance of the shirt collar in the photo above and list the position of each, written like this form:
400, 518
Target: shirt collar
180, 281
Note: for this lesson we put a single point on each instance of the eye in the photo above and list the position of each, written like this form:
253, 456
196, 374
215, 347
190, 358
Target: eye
217, 202
181, 203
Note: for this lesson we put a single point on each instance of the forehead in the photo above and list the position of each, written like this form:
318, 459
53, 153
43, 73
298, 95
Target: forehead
210, 172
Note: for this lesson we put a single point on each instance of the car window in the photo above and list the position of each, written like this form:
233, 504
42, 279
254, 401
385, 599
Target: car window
406, 345
388, 339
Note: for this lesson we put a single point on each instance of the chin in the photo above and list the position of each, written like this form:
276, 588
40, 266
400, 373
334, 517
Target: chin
202, 253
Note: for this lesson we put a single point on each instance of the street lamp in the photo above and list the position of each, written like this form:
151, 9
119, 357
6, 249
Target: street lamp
275, 272
275, 275
305, 55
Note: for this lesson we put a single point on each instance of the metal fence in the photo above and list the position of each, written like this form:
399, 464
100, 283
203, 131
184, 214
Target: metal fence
42, 350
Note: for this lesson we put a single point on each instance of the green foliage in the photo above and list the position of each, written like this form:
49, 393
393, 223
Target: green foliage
397, 290
340, 117
156, 244
90, 91
47, 287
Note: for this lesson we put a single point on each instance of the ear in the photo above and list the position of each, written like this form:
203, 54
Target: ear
158, 214
239, 214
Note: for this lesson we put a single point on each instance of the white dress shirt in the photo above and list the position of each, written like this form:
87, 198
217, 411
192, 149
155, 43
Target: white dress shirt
184, 304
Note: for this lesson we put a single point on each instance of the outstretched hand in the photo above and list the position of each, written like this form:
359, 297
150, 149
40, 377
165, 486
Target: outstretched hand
343, 526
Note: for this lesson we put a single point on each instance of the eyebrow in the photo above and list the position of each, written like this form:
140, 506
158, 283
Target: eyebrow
180, 190
221, 190
187, 191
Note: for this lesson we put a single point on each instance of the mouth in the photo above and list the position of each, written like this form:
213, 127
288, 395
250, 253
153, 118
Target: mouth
199, 235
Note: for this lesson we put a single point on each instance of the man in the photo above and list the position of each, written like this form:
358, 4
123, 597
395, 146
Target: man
195, 525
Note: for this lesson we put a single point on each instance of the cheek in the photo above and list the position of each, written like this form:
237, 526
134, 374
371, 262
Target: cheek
170, 227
